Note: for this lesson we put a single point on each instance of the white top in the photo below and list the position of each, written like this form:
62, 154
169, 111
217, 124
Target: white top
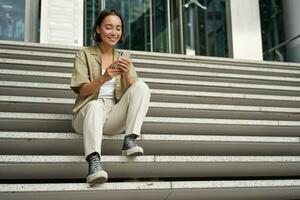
107, 90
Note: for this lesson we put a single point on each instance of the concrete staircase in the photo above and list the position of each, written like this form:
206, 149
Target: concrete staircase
217, 129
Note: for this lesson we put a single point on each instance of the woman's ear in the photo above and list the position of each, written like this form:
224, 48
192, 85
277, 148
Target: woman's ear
98, 29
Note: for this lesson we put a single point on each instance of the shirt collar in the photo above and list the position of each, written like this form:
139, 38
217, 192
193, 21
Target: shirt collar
95, 50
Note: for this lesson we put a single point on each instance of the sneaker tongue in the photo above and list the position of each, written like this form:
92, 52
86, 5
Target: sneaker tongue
134, 136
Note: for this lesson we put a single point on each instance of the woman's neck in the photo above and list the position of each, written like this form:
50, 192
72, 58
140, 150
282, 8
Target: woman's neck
105, 49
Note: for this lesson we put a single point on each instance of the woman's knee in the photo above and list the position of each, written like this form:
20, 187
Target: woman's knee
90, 107
141, 87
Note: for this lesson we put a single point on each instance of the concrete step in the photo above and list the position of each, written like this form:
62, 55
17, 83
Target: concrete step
161, 95
37, 55
54, 143
156, 83
158, 109
35, 65
34, 76
182, 73
197, 62
227, 66
75, 167
218, 75
40, 47
249, 129
164, 125
168, 190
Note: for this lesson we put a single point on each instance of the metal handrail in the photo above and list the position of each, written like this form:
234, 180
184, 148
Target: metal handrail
282, 44
196, 3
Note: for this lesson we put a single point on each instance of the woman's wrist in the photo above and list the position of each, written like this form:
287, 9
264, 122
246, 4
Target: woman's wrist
100, 81
127, 75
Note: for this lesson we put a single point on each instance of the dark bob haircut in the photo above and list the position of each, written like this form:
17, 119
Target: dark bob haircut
99, 20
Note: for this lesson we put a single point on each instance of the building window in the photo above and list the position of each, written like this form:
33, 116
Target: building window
272, 29
136, 15
205, 27
91, 11
160, 26
12, 19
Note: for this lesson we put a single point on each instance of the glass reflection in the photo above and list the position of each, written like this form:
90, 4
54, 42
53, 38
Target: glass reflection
12, 18
92, 10
175, 26
160, 26
272, 28
205, 28
136, 14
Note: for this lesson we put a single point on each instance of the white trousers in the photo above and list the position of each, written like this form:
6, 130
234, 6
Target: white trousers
103, 116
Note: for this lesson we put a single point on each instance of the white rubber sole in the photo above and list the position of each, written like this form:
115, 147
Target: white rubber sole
134, 151
98, 177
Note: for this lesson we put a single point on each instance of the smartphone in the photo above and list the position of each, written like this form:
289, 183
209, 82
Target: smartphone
125, 54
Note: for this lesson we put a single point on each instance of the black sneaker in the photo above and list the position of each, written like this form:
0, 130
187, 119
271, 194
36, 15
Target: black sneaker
96, 173
130, 148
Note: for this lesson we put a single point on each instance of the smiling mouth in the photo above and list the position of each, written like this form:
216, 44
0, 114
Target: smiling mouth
112, 39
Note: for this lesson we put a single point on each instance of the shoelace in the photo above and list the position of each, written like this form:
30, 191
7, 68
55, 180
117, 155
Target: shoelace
94, 164
129, 141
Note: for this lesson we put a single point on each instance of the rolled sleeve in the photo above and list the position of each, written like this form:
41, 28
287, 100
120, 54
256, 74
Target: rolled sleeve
80, 73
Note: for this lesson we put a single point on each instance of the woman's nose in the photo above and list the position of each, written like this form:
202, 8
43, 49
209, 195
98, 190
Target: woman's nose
113, 31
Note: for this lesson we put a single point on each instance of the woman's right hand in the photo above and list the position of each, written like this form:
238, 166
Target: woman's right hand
91, 87
111, 72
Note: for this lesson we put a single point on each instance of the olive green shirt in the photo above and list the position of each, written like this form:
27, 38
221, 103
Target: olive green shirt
87, 67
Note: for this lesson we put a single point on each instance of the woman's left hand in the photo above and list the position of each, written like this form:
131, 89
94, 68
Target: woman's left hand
124, 65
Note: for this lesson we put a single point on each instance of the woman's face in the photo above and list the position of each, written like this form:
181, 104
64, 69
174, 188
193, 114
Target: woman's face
110, 30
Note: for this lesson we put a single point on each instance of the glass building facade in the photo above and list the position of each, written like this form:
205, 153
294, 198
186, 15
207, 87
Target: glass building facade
177, 26
192, 27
